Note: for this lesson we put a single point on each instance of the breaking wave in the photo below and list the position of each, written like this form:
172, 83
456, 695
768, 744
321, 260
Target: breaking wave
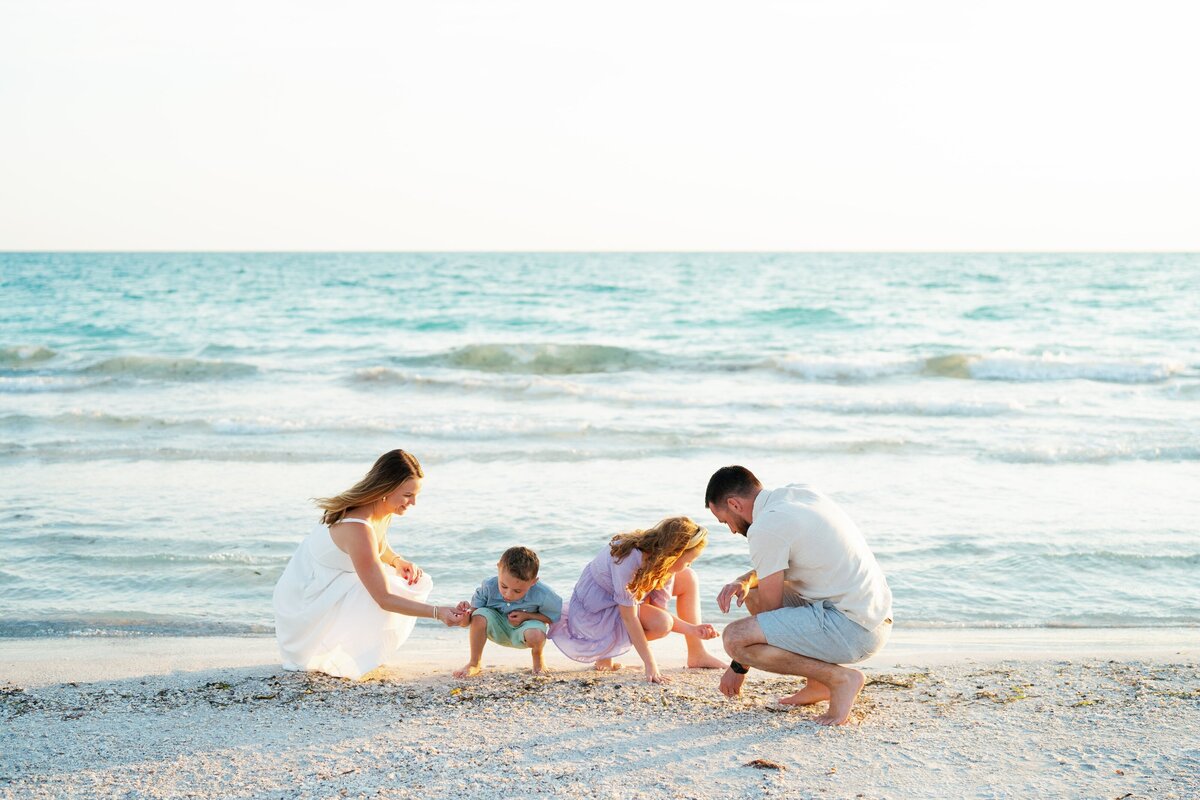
544, 359
170, 369
26, 356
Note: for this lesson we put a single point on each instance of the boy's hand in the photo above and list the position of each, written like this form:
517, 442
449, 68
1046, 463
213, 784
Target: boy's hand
517, 617
464, 607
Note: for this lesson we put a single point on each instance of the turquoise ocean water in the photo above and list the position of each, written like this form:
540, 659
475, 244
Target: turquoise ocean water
1017, 435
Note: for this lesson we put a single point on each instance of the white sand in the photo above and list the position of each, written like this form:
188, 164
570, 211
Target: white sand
976, 714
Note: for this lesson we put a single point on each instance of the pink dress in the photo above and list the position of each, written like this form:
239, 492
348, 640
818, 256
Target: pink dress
590, 627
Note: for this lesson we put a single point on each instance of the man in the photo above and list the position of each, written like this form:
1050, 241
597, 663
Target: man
817, 597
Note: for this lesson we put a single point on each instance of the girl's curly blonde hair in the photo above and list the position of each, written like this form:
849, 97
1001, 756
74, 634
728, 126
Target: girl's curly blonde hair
661, 547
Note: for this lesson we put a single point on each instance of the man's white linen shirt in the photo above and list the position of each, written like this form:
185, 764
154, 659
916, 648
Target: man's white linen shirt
821, 551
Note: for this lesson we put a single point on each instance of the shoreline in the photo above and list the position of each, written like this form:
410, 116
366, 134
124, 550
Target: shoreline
46, 661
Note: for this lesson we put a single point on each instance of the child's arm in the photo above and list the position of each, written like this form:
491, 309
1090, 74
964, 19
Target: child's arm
480, 598
637, 635
517, 617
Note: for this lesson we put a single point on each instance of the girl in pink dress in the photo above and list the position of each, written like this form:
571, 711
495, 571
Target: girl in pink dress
620, 600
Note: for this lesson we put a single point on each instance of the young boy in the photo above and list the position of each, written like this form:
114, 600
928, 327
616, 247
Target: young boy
512, 609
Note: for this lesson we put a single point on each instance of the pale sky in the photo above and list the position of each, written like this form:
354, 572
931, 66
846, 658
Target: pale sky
558, 125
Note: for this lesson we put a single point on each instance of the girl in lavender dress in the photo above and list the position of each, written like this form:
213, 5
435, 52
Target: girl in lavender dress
621, 599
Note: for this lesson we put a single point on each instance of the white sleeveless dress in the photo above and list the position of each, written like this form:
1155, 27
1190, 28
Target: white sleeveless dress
325, 620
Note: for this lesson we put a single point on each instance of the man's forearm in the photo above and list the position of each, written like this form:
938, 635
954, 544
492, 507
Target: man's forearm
750, 579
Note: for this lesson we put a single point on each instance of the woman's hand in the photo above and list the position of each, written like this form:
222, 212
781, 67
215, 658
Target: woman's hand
407, 570
732, 591
450, 617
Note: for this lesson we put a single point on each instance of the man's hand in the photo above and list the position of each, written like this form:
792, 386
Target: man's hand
731, 683
517, 617
732, 591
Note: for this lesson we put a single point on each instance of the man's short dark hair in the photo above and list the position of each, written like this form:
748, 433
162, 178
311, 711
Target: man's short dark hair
727, 482
520, 562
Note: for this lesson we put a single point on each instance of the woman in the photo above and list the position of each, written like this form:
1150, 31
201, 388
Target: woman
620, 600
346, 601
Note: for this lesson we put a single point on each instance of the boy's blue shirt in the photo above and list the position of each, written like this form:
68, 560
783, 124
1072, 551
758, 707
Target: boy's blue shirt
540, 599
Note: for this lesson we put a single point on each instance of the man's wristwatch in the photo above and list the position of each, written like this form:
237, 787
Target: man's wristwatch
740, 669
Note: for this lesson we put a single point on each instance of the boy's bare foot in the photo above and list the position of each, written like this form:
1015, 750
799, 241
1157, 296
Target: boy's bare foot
705, 661
607, 665
541, 669
814, 692
469, 671
843, 689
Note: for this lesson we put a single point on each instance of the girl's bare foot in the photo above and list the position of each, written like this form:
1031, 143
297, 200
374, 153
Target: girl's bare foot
469, 671
705, 661
842, 692
814, 692
607, 665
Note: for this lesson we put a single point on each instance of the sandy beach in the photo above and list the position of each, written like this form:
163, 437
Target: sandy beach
1112, 714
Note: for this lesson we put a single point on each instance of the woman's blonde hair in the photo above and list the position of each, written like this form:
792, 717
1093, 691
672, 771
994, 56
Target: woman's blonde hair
661, 547
389, 471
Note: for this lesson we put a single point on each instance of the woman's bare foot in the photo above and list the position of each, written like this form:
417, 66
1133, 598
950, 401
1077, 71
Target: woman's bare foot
843, 689
469, 671
705, 660
814, 692
607, 665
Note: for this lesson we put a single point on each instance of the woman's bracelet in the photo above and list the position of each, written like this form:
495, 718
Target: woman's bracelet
436, 611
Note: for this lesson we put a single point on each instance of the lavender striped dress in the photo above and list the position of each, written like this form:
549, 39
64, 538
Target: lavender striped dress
590, 627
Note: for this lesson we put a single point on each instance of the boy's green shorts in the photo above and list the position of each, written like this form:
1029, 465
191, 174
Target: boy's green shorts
501, 631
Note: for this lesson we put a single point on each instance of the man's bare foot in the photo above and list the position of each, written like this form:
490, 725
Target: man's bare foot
814, 692
705, 661
469, 671
607, 665
842, 692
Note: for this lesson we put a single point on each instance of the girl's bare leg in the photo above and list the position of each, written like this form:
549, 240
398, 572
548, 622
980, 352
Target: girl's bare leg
687, 604
656, 622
